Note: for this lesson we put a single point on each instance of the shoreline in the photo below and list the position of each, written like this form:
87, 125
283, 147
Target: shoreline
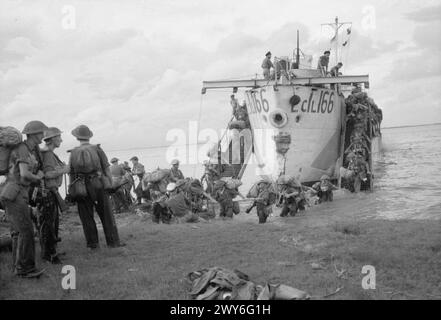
318, 251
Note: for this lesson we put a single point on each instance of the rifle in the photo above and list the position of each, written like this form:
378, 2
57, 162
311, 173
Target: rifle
115, 189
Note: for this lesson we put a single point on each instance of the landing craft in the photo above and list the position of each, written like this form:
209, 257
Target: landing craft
304, 112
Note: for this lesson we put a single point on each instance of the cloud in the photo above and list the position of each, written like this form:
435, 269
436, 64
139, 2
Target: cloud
133, 71
425, 15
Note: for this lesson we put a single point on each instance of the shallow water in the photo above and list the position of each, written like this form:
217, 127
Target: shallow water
408, 183
408, 177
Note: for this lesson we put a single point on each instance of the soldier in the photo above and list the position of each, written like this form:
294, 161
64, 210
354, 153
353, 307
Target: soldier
234, 104
53, 169
89, 168
161, 211
335, 71
267, 65
324, 63
360, 168
15, 196
175, 173
292, 196
128, 183
211, 175
266, 197
324, 189
225, 197
139, 171
119, 199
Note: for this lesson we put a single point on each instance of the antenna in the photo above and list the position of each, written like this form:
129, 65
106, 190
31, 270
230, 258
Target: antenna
336, 26
298, 50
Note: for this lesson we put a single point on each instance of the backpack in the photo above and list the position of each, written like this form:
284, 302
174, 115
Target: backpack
85, 159
9, 138
157, 175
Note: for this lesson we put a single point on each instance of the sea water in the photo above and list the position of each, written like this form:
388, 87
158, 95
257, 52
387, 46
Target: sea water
407, 177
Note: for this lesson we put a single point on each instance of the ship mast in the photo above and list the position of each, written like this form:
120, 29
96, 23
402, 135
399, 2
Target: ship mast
336, 26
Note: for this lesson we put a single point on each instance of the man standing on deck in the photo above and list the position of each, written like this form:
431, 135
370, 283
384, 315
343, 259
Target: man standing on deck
266, 66
324, 63
335, 71
89, 173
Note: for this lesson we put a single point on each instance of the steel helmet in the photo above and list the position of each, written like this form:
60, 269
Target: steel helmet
175, 161
171, 187
34, 127
325, 177
82, 132
51, 133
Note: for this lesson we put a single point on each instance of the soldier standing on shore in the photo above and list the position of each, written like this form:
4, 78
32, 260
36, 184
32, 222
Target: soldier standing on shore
90, 181
139, 171
24, 170
53, 169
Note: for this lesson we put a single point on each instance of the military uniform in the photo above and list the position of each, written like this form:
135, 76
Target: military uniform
324, 189
360, 168
119, 198
266, 66
97, 197
18, 211
289, 203
50, 206
176, 174
139, 171
225, 198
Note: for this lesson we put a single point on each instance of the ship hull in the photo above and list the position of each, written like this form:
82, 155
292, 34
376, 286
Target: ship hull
298, 130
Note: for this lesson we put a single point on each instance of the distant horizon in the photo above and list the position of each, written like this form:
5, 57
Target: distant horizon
413, 125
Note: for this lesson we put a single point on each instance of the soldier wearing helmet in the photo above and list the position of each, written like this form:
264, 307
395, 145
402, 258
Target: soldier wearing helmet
292, 195
54, 169
324, 189
360, 167
25, 164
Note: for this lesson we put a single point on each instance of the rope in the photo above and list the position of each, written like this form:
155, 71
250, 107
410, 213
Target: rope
199, 121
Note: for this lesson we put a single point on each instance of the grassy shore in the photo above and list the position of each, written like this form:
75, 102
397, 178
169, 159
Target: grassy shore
318, 251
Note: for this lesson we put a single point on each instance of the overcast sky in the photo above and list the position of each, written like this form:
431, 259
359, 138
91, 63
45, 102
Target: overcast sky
132, 70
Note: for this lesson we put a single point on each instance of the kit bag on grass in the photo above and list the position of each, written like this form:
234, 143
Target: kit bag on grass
10, 137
